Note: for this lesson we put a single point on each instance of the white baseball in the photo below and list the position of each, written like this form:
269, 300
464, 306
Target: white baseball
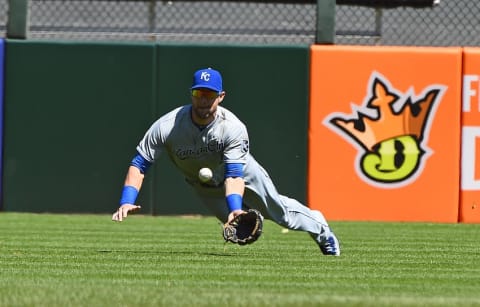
205, 174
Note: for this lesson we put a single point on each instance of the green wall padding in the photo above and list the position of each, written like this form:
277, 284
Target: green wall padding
73, 115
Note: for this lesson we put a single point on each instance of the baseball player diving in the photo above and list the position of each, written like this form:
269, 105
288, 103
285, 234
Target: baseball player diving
204, 134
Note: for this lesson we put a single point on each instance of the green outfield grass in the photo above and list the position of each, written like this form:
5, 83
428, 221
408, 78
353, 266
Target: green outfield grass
87, 260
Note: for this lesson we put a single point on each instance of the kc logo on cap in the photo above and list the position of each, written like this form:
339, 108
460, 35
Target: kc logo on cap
207, 78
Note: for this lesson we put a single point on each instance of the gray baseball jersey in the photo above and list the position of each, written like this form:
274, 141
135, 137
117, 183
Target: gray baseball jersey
225, 140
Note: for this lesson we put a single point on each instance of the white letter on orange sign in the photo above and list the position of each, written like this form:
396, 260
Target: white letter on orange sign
469, 92
469, 139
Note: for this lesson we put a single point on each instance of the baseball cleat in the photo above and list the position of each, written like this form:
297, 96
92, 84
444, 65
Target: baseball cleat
330, 246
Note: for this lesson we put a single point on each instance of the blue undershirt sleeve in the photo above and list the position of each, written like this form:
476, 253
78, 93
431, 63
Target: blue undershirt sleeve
139, 162
233, 170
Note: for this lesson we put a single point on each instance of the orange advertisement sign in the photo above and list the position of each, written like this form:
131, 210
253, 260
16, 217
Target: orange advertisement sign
384, 133
470, 166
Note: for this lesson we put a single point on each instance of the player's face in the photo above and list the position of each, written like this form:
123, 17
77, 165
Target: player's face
204, 105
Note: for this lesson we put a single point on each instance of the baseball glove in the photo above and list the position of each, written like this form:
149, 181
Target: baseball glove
245, 228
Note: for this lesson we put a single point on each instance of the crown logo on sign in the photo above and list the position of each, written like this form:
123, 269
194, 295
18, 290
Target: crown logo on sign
409, 119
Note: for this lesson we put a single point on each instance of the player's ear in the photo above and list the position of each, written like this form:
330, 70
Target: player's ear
221, 96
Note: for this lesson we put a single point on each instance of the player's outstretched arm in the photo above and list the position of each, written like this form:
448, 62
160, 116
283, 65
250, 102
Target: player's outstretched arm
133, 184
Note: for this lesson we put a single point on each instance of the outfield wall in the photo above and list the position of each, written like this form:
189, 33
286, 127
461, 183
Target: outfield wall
74, 112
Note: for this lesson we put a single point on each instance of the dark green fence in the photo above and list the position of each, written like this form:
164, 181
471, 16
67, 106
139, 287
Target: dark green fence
74, 113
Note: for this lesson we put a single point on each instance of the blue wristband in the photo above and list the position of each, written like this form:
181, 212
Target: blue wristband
129, 195
234, 202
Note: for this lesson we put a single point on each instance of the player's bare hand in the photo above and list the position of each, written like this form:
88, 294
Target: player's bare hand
233, 214
123, 211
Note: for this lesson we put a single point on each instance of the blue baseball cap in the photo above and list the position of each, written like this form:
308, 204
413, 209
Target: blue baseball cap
207, 78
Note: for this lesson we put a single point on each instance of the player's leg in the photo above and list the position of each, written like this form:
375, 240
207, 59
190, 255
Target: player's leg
291, 214
288, 212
